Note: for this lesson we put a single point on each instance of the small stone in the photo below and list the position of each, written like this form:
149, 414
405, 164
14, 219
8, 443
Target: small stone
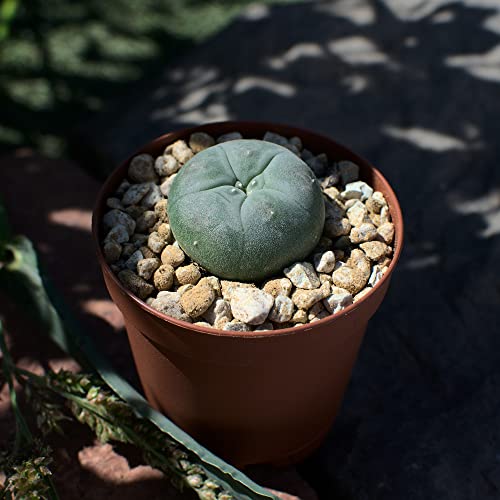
172, 255
360, 261
282, 309
302, 275
376, 202
349, 203
203, 323
334, 210
324, 244
132, 261
166, 165
212, 281
361, 294
386, 232
318, 164
357, 214
332, 192
275, 138
352, 279
231, 136
324, 262
156, 242
363, 233
147, 253
376, 275
135, 211
221, 323
228, 287
124, 185
334, 228
169, 303
343, 244
337, 300
385, 215
198, 141
359, 190
323, 277
161, 210
180, 151
139, 239
189, 274
166, 185
183, 289
306, 154
279, 286
305, 299
137, 285
145, 221
300, 316
349, 171
296, 141
197, 300
146, 267
251, 305
220, 308
317, 312
135, 193
339, 254
114, 203
112, 251
149, 300
115, 217
165, 231
127, 250
236, 325
267, 325
141, 169
153, 196
118, 233
163, 277
375, 250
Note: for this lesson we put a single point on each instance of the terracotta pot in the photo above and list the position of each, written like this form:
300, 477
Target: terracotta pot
251, 397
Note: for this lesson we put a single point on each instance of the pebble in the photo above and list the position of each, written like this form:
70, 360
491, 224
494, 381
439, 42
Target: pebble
146, 267
161, 210
324, 262
332, 192
352, 279
137, 285
296, 141
360, 261
318, 164
302, 275
337, 227
267, 325
376, 275
183, 289
337, 300
305, 299
139, 239
324, 277
231, 136
228, 287
180, 151
324, 244
357, 214
147, 252
282, 310
135, 193
221, 323
385, 216
114, 203
220, 308
300, 316
166, 185
329, 181
197, 300
118, 234
141, 169
166, 165
203, 323
348, 171
115, 217
169, 303
145, 221
127, 250
375, 250
376, 202
153, 196
172, 255
386, 232
343, 243
279, 286
251, 305
359, 190
135, 211
317, 312
334, 210
306, 154
275, 139
163, 277
131, 262
236, 325
188, 275
213, 282
364, 232
124, 185
112, 251
165, 231
198, 141
361, 294
156, 242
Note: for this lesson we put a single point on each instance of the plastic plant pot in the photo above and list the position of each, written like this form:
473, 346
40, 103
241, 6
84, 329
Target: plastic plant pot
251, 397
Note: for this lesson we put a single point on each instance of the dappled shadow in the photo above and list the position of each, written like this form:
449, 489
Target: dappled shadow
414, 88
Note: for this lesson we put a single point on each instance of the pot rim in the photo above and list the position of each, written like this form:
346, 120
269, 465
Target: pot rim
394, 208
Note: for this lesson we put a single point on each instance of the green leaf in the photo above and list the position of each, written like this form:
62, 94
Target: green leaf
22, 278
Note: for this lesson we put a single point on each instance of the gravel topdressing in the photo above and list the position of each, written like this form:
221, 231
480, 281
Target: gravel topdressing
351, 257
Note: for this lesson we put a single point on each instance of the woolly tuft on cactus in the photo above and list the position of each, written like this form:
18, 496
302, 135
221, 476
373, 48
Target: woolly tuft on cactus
245, 209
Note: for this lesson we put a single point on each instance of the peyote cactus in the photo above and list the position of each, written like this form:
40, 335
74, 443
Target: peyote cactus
245, 209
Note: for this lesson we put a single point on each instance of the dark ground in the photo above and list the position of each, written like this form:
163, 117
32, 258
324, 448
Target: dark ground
414, 87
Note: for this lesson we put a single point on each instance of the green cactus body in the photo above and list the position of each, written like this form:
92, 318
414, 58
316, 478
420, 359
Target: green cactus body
245, 209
